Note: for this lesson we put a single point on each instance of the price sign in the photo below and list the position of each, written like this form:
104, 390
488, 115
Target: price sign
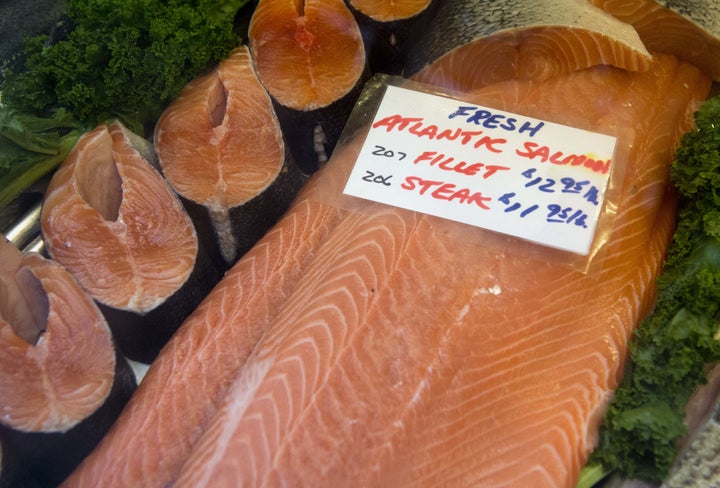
521, 176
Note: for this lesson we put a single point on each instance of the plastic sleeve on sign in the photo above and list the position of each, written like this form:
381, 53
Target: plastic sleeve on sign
494, 175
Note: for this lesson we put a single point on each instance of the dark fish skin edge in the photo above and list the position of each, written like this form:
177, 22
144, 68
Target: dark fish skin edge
298, 126
44, 460
455, 23
705, 13
251, 220
384, 55
140, 337
459, 22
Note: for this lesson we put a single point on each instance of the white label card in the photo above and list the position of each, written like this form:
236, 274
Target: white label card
525, 177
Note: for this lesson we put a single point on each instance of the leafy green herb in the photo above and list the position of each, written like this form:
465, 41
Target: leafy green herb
123, 59
674, 346
30, 147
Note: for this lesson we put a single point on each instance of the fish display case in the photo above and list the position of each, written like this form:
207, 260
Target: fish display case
405, 334
18, 20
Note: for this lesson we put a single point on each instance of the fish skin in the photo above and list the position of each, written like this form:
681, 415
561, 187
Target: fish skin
134, 260
61, 386
388, 39
310, 57
355, 381
202, 374
249, 294
521, 40
220, 146
699, 463
689, 30
704, 13
696, 462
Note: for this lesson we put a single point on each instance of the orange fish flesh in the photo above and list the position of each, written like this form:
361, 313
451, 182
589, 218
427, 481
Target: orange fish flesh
690, 30
371, 348
112, 220
61, 382
220, 147
472, 44
310, 57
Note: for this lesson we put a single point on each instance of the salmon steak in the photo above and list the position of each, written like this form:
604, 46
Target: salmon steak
33, 289
89, 219
61, 382
112, 220
370, 347
308, 54
220, 147
310, 57
390, 11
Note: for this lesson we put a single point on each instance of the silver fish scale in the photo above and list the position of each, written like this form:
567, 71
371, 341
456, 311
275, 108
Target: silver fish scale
699, 465
705, 13
459, 22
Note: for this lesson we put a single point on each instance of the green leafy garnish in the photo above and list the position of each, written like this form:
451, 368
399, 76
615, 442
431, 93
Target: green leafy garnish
674, 346
123, 59
31, 147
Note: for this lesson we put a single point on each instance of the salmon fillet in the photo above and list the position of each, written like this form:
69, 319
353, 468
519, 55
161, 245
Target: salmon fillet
689, 30
473, 44
370, 347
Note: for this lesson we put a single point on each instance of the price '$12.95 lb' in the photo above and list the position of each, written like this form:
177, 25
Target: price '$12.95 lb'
529, 178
